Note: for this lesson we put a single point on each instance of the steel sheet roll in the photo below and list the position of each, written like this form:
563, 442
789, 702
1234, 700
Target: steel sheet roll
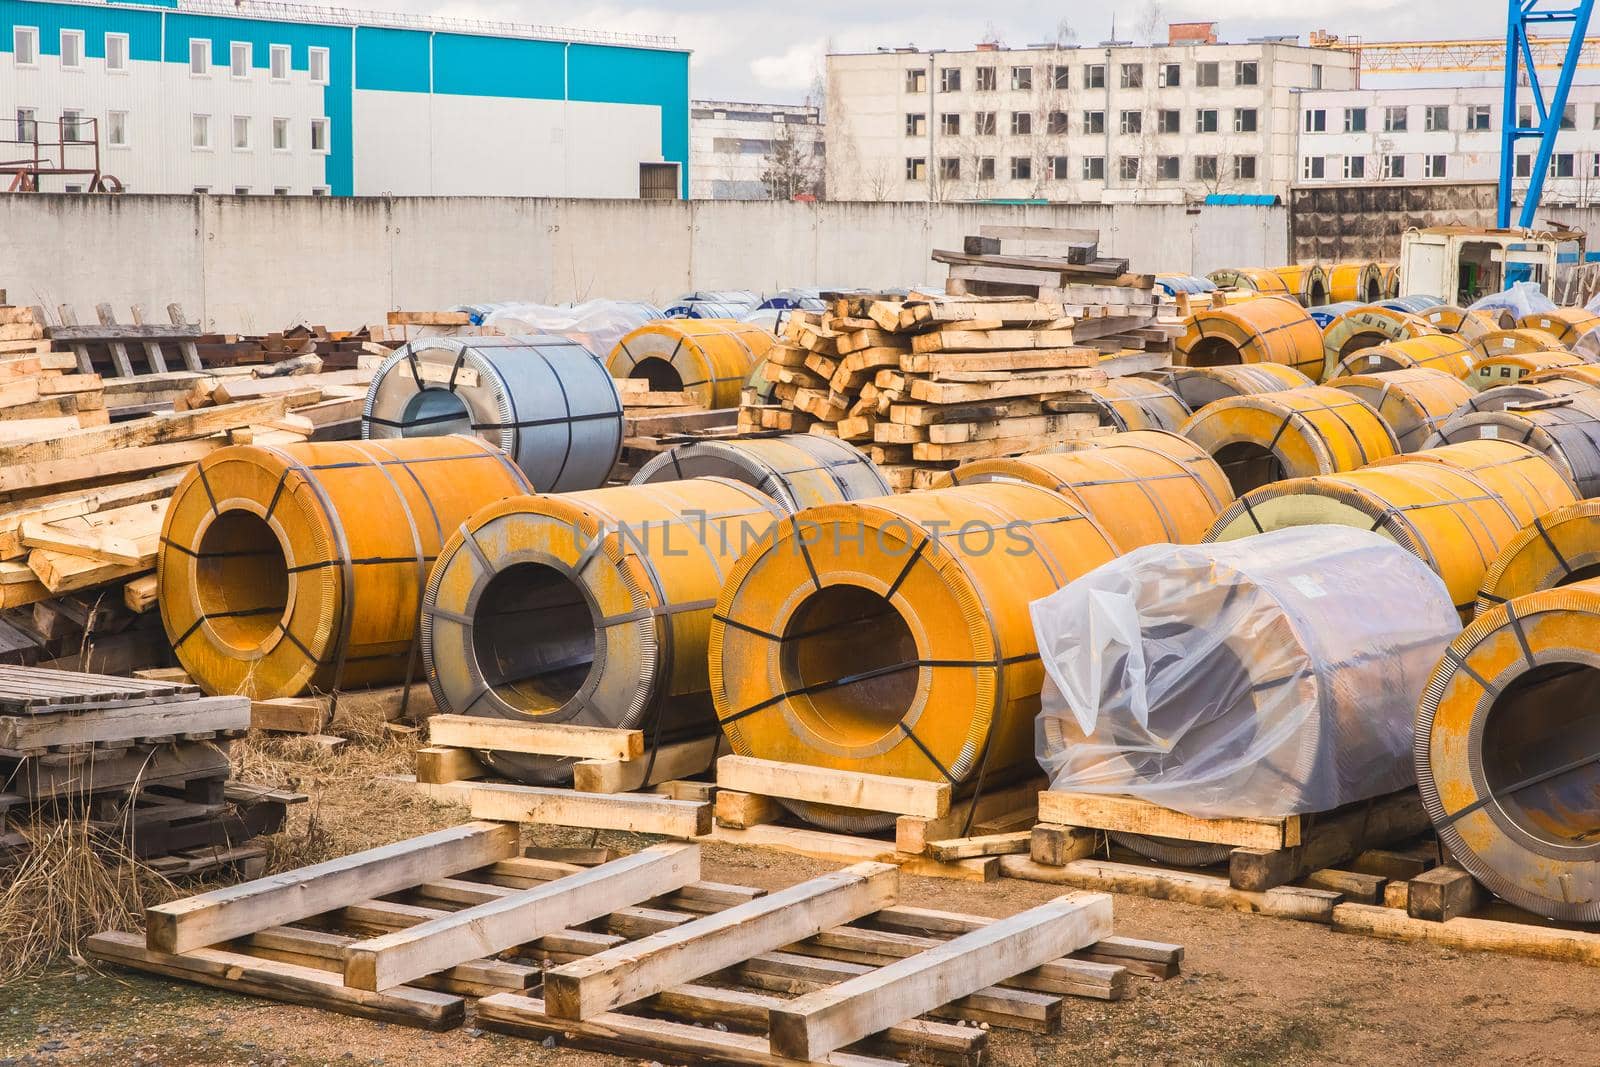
1566, 325
1199, 386
798, 470
1578, 374
1526, 391
1566, 429
892, 636
1414, 402
1134, 403
1267, 437
1530, 482
1512, 341
587, 608
1508, 751
1414, 304
709, 358
544, 401
301, 567
1390, 273
1255, 279
1328, 312
1439, 351
1558, 548
1512, 367
1362, 282
1255, 331
1145, 487
1306, 283
1366, 327
1173, 284
1467, 325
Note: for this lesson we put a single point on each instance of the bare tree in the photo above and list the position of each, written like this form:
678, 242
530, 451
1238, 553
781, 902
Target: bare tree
790, 169
1150, 22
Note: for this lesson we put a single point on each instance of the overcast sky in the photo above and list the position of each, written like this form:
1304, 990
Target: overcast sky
763, 51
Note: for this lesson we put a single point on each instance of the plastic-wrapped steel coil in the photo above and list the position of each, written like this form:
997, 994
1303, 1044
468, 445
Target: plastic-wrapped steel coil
299, 567
797, 470
1558, 548
1173, 284
1134, 403
708, 358
1199, 386
1306, 283
1440, 351
1413, 402
892, 636
1566, 325
1511, 367
1415, 303
1255, 331
1530, 482
1362, 282
1256, 279
1366, 327
587, 608
1567, 429
544, 401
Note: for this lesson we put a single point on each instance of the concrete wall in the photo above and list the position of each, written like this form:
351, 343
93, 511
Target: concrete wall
254, 264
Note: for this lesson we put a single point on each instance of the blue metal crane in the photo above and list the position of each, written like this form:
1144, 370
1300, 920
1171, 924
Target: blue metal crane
1523, 16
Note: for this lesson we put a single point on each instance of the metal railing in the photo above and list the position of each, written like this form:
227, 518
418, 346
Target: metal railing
28, 146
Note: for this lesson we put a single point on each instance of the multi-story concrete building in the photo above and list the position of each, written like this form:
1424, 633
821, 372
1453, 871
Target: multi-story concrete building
1105, 123
732, 146
1442, 133
179, 96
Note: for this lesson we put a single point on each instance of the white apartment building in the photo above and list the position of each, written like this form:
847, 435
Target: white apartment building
730, 144
1446, 134
1103, 123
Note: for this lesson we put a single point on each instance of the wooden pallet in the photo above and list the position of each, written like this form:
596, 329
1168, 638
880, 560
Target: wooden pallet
126, 349
407, 933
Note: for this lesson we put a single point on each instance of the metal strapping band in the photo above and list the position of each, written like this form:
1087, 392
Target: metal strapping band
654, 613
922, 748
1466, 668
1544, 534
878, 672
911, 561
1522, 638
1517, 787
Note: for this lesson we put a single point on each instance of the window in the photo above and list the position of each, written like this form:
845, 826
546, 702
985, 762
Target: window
1061, 77
202, 190
916, 169
916, 125
1094, 122
1244, 120
950, 169
1594, 167
1316, 121
117, 129
1021, 123
950, 79
1394, 119
1311, 168
319, 135
278, 66
1059, 172
73, 125
1094, 76
1022, 77
1394, 166
1569, 117
986, 169
1056, 123
950, 125
1206, 168
1170, 76
1021, 168
1478, 117
1355, 166
72, 189
239, 59
1524, 166
25, 46
1316, 75
199, 58
983, 123
1169, 121
1167, 168
241, 133
986, 80
1205, 75
280, 135
1094, 168
201, 131
281, 190
241, 190
1563, 165
1525, 115
1128, 168
1132, 76
1437, 117
916, 80
71, 49
27, 126
319, 190
1205, 120
1132, 122
1245, 72
1355, 120
1433, 167
317, 64
117, 53
1244, 168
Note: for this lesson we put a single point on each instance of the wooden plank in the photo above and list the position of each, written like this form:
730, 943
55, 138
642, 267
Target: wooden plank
1054, 845
150, 720
1442, 894
961, 848
295, 715
1353, 886
842, 848
670, 761
1019, 385
1211, 891
631, 972
64, 572
429, 318
636, 812
821, 1022
141, 593
492, 927
1332, 841
741, 810
1130, 815
129, 535
1036, 234
535, 738
1478, 935
116, 461
957, 340
140, 433
846, 789
224, 914
438, 765
1036, 359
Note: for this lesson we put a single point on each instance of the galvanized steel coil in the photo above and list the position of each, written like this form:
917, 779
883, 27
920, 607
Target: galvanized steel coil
1267, 437
544, 401
301, 567
1328, 312
710, 359
1144, 487
1530, 482
1511, 367
1367, 326
1558, 548
587, 608
1415, 303
1134, 403
1414, 402
1566, 325
1511, 341
1173, 284
1255, 331
892, 636
1256, 279
1567, 429
1508, 751
1458, 321
1360, 282
1526, 391
1439, 351
1199, 386
799, 470
1581, 374
1306, 283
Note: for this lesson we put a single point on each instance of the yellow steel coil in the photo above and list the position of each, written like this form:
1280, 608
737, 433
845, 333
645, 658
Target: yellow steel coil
1389, 271
1255, 279
1145, 487
708, 358
1413, 401
1508, 751
589, 608
1512, 367
1510, 341
1530, 482
893, 636
1256, 331
1365, 327
1439, 351
1306, 283
1556, 549
1354, 281
1579, 374
1134, 403
1266, 437
1458, 321
1566, 325
302, 567
1199, 386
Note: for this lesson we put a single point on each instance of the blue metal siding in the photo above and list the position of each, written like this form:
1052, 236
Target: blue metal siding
498, 66
393, 61
142, 27
611, 75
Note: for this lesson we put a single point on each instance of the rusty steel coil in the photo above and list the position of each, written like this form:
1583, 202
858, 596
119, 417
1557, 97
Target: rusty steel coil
1362, 282
1467, 325
1530, 482
797, 470
1256, 331
1413, 402
708, 358
1508, 751
1133, 403
1367, 327
1438, 351
1511, 367
1566, 429
1306, 283
301, 567
1581, 374
892, 636
1145, 487
587, 608
1255, 279
1266, 437
1558, 548
1566, 325
1199, 386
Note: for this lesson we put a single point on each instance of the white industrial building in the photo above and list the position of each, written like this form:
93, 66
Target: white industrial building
731, 144
1105, 123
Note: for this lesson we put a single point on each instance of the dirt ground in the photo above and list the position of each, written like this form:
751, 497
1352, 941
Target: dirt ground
1254, 990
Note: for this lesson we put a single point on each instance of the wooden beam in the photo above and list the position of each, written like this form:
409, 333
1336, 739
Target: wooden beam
1207, 890
643, 813
1480, 935
535, 738
742, 810
155, 430
224, 914
589, 987
436, 766
201, 715
962, 848
677, 760
1442, 894
1130, 815
845, 789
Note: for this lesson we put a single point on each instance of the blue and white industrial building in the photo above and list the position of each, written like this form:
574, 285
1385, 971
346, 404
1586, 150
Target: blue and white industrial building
262, 98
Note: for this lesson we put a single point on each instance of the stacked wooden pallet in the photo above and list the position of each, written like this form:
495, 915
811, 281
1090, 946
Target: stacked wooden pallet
321, 404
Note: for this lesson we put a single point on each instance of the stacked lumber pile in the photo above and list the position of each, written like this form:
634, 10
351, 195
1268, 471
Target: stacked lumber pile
320, 404
42, 391
335, 349
654, 421
401, 327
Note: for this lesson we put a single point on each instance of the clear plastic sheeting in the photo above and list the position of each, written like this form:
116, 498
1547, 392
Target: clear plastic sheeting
597, 324
1523, 298
1274, 675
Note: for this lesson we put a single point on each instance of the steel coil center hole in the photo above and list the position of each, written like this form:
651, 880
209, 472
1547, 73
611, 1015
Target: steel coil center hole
1214, 352
1249, 465
533, 634
662, 375
1365, 339
241, 579
850, 635
1541, 753
434, 413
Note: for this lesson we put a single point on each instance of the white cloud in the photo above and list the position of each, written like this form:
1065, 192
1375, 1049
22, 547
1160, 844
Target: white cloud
793, 69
